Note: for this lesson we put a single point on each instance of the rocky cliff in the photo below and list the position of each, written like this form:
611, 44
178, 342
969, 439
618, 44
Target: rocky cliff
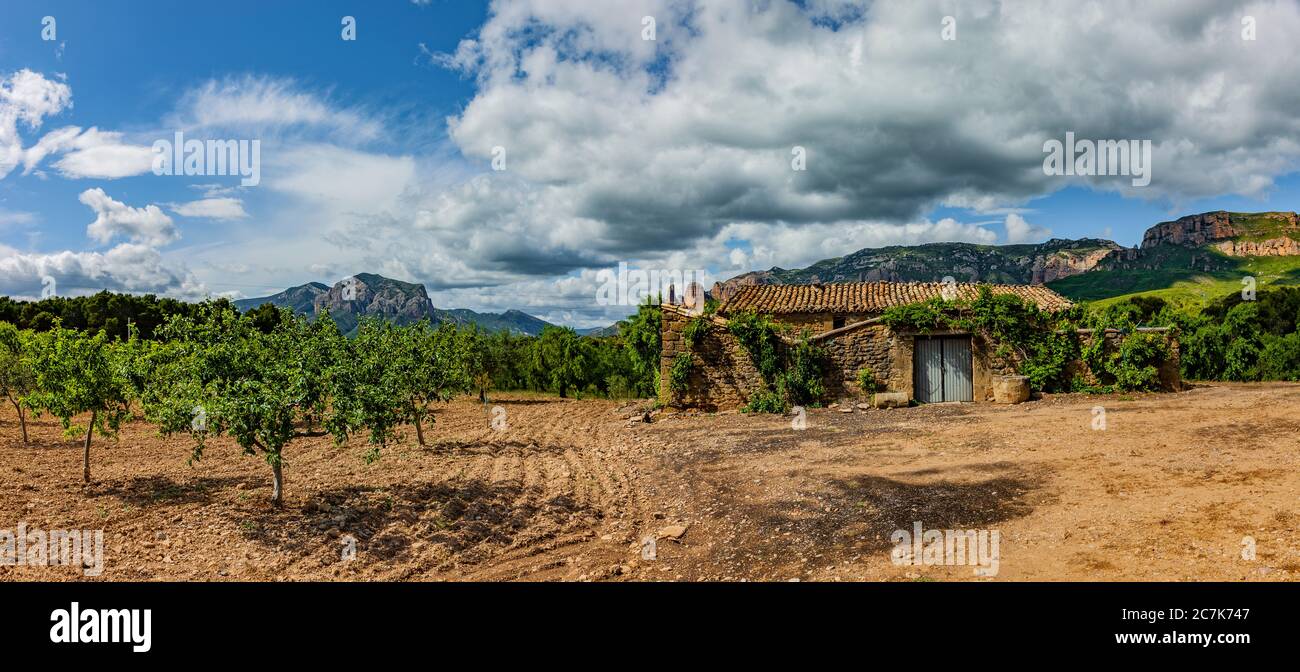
1233, 233
367, 294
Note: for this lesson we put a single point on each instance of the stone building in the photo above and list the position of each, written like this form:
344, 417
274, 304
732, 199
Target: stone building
845, 320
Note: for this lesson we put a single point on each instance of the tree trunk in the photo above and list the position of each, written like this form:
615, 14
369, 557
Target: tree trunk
419, 431
85, 453
277, 483
482, 396
22, 419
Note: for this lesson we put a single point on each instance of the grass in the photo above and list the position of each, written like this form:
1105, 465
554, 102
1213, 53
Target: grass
1176, 282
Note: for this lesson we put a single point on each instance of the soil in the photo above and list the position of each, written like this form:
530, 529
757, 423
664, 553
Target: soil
571, 489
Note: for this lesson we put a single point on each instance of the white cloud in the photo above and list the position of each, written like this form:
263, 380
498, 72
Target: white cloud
1021, 231
269, 104
92, 154
27, 97
147, 225
127, 267
630, 148
211, 208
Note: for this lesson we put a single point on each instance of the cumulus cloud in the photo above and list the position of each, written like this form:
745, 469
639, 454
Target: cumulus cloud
148, 225
127, 267
26, 97
632, 148
1020, 231
211, 208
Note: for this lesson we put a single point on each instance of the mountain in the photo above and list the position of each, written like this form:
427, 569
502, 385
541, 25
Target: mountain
1192, 259
302, 299
601, 332
1197, 258
371, 295
512, 320
967, 262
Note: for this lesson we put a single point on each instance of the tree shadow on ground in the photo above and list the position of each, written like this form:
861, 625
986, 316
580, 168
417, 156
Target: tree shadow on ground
460, 520
153, 491
859, 514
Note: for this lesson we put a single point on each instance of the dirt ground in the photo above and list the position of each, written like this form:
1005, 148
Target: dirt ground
568, 490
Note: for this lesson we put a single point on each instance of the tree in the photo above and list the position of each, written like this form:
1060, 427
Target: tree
17, 379
77, 373
558, 355
364, 394
431, 365
641, 338
219, 375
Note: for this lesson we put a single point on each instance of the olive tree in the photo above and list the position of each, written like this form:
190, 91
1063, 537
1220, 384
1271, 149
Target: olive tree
17, 379
220, 375
76, 373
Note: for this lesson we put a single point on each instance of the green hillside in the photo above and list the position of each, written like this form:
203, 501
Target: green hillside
1174, 279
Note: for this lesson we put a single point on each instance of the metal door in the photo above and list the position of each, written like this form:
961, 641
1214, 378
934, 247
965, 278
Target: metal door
942, 369
928, 380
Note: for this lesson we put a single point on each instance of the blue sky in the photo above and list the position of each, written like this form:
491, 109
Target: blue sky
670, 153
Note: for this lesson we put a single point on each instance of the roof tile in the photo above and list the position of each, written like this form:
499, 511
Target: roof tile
870, 297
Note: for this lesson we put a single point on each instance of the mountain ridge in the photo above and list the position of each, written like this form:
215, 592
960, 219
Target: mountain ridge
1212, 248
400, 302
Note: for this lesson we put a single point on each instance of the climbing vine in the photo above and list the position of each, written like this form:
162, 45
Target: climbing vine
792, 372
1043, 343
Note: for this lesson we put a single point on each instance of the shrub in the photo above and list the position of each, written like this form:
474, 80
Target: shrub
695, 330
759, 335
767, 401
679, 375
803, 378
867, 381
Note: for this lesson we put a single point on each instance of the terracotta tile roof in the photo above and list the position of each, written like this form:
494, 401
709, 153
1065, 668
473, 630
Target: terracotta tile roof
869, 297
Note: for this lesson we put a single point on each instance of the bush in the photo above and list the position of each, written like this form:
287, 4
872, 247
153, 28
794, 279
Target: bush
695, 331
867, 381
803, 378
759, 335
679, 375
767, 401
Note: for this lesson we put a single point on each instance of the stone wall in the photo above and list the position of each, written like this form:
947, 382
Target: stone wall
724, 378
722, 374
1171, 379
873, 347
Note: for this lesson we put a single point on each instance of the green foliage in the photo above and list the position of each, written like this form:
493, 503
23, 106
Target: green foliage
695, 330
218, 374
76, 373
923, 316
679, 375
867, 382
802, 379
105, 311
559, 358
641, 339
17, 379
761, 338
1041, 343
793, 372
766, 401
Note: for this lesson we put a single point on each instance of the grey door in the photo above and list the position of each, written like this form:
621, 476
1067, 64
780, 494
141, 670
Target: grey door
942, 367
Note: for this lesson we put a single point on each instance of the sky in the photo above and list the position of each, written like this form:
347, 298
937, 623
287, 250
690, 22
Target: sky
507, 154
